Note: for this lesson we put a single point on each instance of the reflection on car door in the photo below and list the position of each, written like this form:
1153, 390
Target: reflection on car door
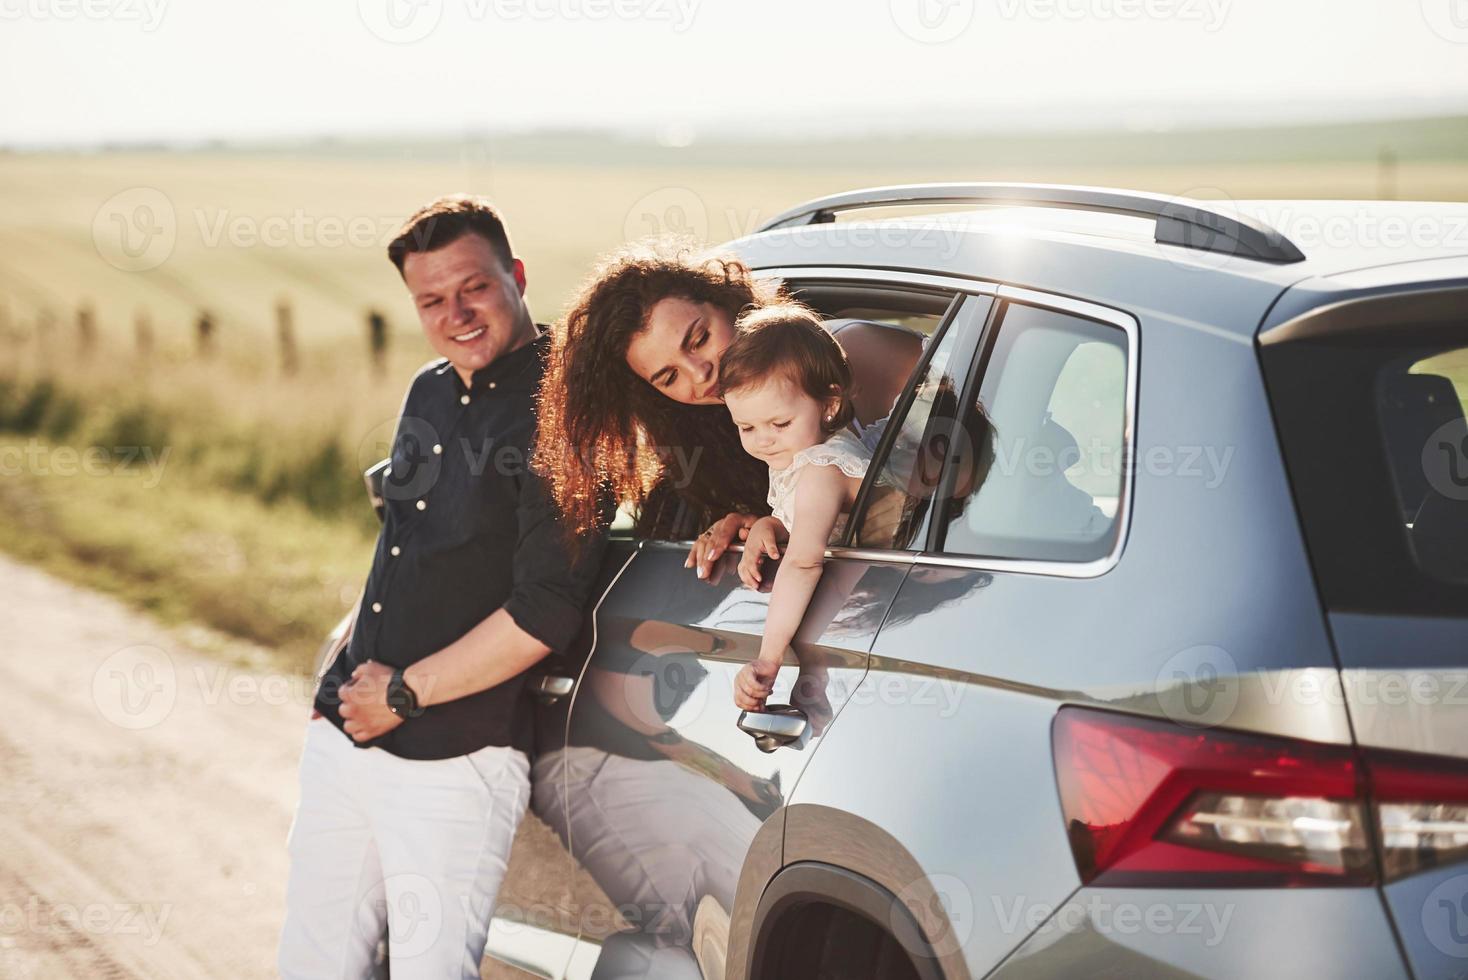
663, 794
535, 924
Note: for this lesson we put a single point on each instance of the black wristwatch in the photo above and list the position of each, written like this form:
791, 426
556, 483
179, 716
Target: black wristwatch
401, 700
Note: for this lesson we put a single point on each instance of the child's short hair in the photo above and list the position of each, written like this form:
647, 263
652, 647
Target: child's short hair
788, 339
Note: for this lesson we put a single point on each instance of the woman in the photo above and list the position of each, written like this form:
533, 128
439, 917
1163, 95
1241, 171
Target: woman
630, 401
630, 404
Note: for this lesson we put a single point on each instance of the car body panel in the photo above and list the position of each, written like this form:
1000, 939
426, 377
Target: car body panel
1176, 613
1222, 933
664, 796
1431, 913
949, 807
1406, 680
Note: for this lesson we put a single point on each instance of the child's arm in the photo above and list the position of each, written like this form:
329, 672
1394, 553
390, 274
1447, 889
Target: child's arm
820, 496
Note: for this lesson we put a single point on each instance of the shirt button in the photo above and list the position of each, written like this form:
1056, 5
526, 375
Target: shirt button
437, 449
395, 551
463, 399
492, 384
422, 505
377, 607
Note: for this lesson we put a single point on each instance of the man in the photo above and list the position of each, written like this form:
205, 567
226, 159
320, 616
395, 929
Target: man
414, 773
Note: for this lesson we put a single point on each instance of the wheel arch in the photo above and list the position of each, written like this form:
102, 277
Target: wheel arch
800, 886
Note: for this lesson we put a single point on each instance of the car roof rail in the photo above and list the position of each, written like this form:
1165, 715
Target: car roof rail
1179, 220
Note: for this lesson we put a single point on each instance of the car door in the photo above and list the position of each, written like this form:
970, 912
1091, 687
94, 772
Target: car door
974, 649
533, 932
672, 798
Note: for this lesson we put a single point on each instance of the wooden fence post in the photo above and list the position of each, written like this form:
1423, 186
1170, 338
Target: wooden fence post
205, 331
290, 358
143, 333
1386, 175
377, 341
86, 329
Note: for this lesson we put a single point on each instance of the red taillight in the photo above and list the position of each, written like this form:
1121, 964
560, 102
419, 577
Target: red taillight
1149, 803
1421, 810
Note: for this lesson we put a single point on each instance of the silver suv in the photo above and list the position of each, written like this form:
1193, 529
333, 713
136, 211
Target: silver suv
1145, 653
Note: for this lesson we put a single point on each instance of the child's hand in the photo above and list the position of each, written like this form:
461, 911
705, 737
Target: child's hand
759, 543
754, 682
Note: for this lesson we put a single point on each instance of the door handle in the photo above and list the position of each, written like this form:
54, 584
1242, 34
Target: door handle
548, 688
777, 725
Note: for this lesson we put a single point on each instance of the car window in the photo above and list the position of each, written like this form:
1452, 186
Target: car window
884, 328
910, 446
1420, 406
1039, 475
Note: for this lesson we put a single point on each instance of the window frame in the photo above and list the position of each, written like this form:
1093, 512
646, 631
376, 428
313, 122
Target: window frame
933, 554
962, 318
999, 294
894, 280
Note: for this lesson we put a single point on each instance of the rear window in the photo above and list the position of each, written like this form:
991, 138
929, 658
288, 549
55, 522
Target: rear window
1420, 406
1368, 400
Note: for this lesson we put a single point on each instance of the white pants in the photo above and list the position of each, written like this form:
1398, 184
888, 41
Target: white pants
414, 847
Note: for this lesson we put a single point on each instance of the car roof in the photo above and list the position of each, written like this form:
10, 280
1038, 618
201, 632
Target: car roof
1112, 258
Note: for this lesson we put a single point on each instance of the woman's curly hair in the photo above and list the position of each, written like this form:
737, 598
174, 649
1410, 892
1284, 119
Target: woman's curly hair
603, 429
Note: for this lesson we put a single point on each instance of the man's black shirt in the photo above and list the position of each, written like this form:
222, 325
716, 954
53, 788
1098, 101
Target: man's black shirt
468, 529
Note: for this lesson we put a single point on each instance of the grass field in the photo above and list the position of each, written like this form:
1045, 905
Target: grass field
256, 523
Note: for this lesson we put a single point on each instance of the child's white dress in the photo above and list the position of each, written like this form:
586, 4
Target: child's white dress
843, 449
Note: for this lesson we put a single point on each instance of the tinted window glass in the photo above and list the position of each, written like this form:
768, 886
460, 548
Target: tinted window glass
1042, 474
905, 483
1420, 403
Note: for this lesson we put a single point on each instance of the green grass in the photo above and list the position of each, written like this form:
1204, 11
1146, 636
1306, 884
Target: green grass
306, 460
277, 575
248, 520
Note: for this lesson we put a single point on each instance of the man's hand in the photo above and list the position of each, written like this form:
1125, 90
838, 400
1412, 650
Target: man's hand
364, 702
712, 544
761, 542
755, 682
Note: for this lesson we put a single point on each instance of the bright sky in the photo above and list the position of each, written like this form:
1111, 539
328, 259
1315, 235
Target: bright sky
90, 70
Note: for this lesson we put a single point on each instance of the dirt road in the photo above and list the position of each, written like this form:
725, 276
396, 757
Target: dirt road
146, 789
145, 793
